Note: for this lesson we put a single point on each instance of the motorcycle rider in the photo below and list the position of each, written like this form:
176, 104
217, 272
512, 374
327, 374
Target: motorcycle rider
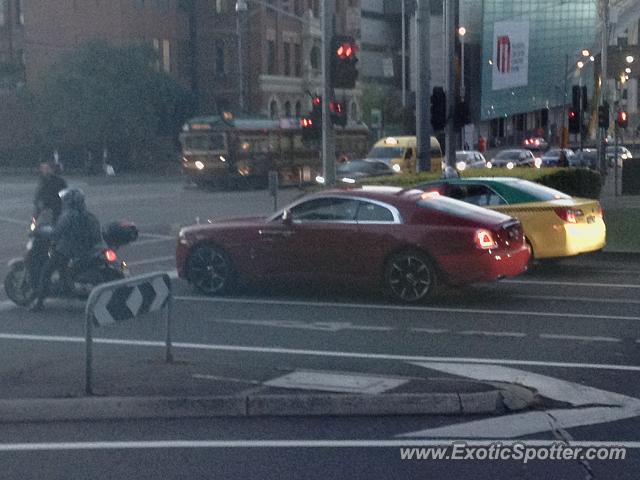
74, 235
49, 186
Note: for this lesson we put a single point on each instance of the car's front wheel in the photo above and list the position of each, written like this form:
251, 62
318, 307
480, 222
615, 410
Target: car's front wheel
209, 270
410, 276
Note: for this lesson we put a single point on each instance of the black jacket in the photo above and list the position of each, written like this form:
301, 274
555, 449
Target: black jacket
47, 194
76, 233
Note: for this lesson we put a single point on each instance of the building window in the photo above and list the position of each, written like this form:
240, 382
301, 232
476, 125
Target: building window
297, 59
353, 111
297, 7
3, 8
273, 109
287, 109
298, 109
315, 58
19, 12
287, 59
219, 59
271, 57
166, 56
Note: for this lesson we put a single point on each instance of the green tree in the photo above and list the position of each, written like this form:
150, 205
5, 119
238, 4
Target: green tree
102, 96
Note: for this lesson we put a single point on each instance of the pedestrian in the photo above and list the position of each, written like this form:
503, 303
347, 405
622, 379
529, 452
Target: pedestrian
482, 144
49, 186
563, 161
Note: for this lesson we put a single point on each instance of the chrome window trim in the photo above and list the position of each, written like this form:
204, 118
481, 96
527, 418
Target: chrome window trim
397, 218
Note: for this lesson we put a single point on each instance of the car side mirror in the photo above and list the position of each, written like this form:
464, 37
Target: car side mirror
287, 219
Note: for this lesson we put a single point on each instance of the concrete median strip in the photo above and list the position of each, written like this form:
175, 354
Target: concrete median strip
490, 402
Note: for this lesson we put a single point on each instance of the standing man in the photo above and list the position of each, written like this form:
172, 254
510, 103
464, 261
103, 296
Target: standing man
49, 186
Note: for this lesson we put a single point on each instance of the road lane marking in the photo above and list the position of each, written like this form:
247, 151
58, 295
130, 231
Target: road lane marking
578, 299
202, 376
492, 334
594, 405
151, 260
572, 284
431, 330
552, 336
330, 443
14, 221
401, 307
321, 353
322, 326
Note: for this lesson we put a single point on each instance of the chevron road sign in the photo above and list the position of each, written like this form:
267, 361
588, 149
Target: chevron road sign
115, 302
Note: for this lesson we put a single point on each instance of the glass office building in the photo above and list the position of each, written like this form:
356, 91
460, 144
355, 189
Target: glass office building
527, 65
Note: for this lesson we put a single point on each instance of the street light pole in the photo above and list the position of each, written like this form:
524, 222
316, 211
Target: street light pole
404, 55
241, 6
328, 134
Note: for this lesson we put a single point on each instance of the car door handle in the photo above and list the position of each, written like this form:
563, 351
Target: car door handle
275, 233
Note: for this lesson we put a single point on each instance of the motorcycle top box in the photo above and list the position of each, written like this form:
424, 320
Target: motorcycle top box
118, 234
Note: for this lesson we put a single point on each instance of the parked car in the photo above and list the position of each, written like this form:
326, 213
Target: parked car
535, 143
551, 158
408, 242
555, 224
517, 157
354, 170
470, 159
585, 158
623, 154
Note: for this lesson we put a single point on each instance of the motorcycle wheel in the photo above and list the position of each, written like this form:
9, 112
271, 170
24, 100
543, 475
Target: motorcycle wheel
18, 286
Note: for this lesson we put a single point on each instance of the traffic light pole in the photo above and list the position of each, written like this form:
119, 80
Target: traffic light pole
328, 134
423, 86
451, 13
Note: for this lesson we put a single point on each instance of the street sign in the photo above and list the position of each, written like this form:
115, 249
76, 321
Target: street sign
128, 299
115, 302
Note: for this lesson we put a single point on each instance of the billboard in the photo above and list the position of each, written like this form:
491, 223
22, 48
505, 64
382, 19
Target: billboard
510, 54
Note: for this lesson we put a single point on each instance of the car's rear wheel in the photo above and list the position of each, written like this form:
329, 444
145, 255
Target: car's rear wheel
209, 270
410, 276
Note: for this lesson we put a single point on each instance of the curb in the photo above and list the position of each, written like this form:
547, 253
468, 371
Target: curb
491, 402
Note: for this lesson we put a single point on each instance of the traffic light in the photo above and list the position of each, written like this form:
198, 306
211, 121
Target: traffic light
576, 99
343, 62
623, 119
338, 113
574, 121
438, 109
312, 124
603, 116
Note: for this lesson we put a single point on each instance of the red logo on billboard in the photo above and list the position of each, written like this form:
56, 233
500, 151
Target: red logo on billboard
503, 62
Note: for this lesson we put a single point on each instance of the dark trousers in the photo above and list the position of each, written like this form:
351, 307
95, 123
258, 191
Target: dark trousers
56, 262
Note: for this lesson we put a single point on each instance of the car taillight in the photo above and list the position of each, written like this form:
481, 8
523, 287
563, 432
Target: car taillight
110, 255
599, 212
484, 240
569, 215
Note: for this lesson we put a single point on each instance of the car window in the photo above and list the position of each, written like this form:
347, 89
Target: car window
379, 166
536, 191
372, 212
480, 195
326, 209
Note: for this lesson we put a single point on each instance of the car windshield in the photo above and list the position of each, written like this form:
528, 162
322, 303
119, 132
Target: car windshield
510, 155
463, 156
386, 152
356, 166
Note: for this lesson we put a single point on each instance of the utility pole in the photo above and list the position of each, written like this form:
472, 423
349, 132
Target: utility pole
423, 83
328, 134
404, 55
451, 14
241, 8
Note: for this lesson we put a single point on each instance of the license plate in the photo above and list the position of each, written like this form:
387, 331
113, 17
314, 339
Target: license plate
591, 219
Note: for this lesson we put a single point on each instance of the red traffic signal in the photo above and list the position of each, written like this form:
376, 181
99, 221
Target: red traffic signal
623, 119
345, 50
344, 72
574, 122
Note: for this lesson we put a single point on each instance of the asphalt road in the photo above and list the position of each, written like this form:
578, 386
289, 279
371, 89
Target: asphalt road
576, 322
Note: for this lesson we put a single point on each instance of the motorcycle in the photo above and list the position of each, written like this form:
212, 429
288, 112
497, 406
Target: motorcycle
81, 275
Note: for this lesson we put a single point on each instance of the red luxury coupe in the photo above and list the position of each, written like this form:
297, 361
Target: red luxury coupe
406, 241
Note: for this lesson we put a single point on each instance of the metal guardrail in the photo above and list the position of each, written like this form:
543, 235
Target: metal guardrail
114, 302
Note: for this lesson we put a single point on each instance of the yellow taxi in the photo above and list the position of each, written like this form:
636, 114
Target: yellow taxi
555, 224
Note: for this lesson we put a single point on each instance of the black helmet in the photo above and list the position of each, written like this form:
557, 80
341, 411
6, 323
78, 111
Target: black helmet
72, 198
